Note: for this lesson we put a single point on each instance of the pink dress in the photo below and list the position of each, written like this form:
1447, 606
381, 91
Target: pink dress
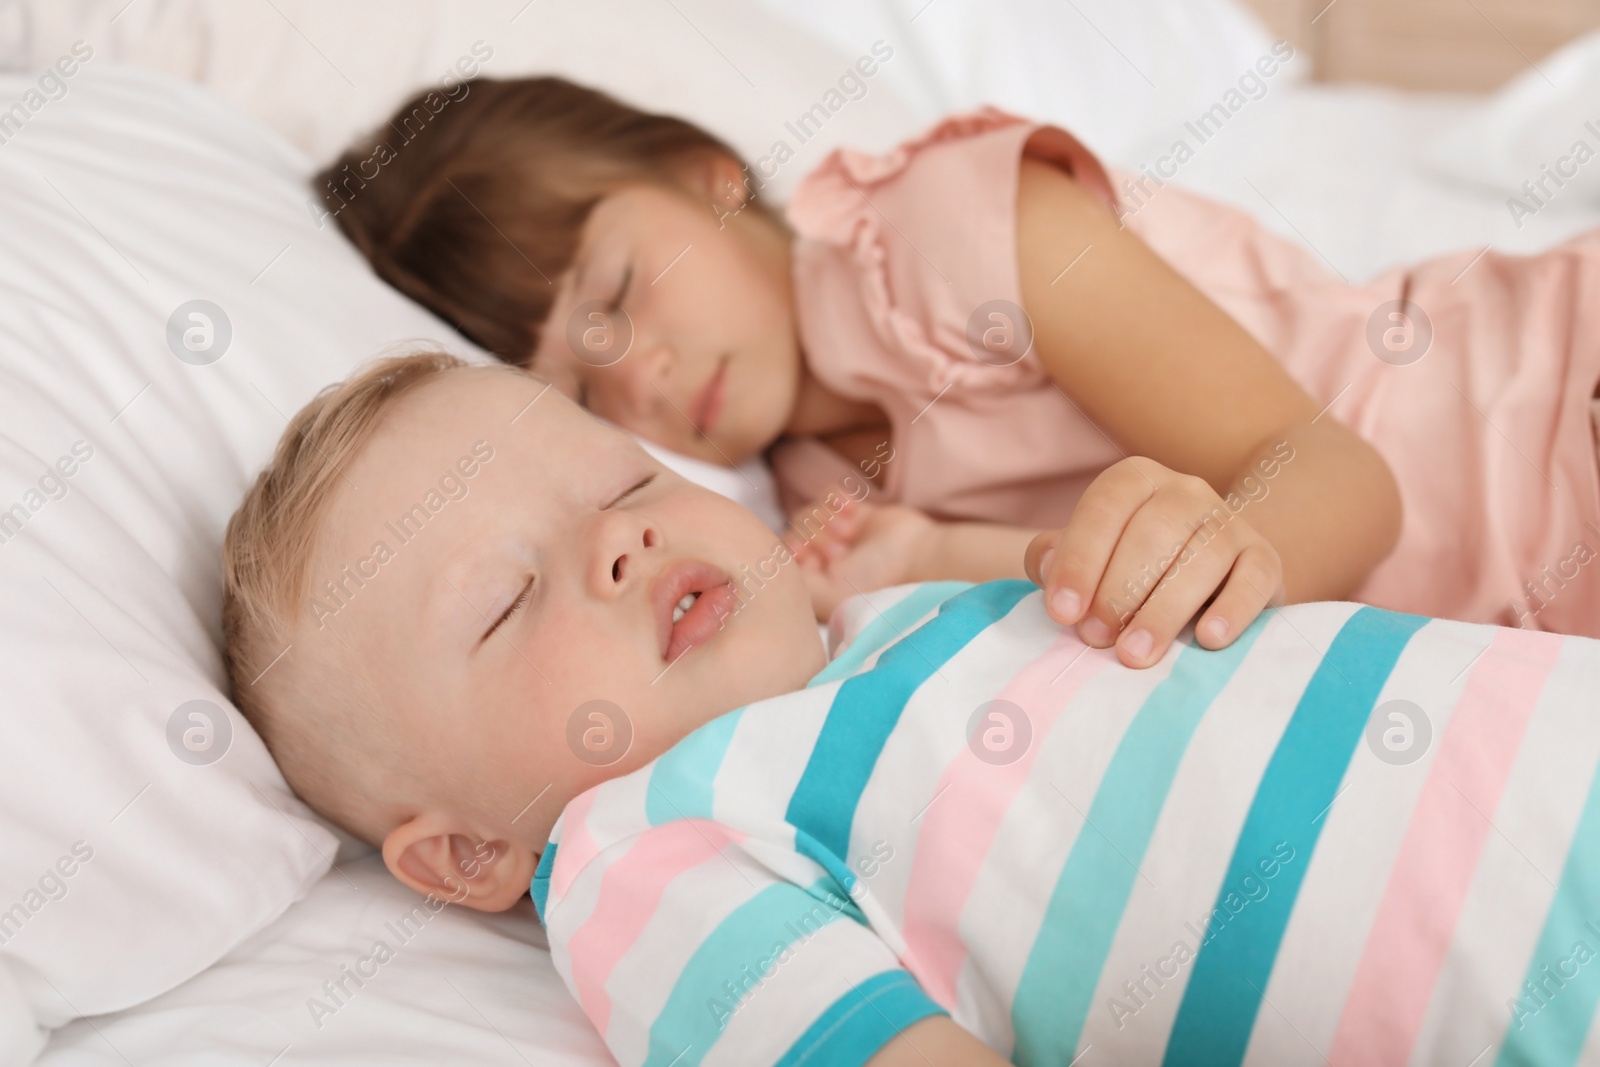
1490, 433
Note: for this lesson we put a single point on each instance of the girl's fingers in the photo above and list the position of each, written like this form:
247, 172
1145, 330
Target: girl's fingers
1040, 564
1255, 582
842, 525
1085, 547
848, 520
1194, 574
1142, 555
834, 543
834, 537
816, 544
1039, 555
1154, 538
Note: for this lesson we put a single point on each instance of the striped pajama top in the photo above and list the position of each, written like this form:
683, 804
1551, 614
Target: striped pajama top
1352, 836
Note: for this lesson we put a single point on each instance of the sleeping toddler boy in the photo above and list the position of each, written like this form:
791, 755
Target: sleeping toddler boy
488, 634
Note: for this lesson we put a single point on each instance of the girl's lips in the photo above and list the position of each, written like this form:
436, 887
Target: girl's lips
709, 401
716, 601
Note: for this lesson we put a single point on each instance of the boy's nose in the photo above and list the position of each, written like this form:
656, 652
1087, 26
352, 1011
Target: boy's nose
622, 542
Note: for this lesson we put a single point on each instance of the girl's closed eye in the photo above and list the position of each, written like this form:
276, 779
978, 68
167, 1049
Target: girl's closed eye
614, 305
622, 290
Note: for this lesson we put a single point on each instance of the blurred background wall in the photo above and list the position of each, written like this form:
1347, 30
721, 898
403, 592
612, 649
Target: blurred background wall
1468, 45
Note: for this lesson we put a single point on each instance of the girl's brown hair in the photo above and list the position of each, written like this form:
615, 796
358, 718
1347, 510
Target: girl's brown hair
473, 204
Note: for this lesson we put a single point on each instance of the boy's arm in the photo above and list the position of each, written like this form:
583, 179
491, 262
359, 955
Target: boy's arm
936, 1041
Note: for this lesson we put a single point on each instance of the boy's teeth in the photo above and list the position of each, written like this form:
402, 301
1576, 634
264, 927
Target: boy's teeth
684, 605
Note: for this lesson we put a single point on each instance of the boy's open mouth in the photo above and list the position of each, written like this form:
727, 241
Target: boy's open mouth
691, 600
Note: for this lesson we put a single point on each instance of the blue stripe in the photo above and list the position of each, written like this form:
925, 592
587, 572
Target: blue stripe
826, 889
1230, 974
861, 1022
833, 863
1058, 982
1550, 1029
683, 778
540, 886
892, 623
727, 969
867, 707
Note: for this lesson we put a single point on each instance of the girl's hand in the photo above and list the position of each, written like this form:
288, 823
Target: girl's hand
1146, 549
860, 548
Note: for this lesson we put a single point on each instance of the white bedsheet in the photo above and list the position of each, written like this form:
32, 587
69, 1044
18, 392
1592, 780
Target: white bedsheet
1338, 168
1349, 171
458, 987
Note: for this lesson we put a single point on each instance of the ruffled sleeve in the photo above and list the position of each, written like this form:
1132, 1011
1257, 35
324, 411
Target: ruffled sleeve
901, 262
924, 237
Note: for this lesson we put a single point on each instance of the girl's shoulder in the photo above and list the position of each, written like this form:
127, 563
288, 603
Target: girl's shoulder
967, 159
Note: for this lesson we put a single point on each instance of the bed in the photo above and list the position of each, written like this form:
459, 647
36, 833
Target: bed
218, 920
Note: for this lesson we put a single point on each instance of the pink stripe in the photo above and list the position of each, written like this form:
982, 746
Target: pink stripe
973, 798
630, 891
1428, 887
577, 845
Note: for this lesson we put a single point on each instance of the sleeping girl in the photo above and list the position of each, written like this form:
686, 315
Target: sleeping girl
1211, 415
1351, 836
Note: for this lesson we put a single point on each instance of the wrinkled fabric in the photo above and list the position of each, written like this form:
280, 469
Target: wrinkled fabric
1491, 433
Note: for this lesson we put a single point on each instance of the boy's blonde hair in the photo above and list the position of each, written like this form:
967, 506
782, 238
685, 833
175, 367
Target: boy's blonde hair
312, 703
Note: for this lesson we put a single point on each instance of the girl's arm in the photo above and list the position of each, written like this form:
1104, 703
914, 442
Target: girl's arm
1236, 492
970, 552
1170, 376
866, 546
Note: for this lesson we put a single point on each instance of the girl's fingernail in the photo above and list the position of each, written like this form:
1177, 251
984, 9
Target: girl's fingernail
1066, 603
1094, 632
1138, 643
1217, 627
1045, 560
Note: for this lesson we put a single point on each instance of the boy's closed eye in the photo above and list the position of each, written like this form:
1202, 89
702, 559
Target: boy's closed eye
528, 588
632, 489
521, 599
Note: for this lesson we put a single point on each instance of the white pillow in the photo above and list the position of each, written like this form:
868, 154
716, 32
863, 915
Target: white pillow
751, 483
323, 71
1530, 124
1117, 73
126, 198
131, 860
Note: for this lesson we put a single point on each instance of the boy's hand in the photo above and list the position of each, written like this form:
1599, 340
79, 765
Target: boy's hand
861, 548
1136, 559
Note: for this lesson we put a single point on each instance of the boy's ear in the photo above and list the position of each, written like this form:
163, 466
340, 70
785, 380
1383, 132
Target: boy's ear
430, 855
